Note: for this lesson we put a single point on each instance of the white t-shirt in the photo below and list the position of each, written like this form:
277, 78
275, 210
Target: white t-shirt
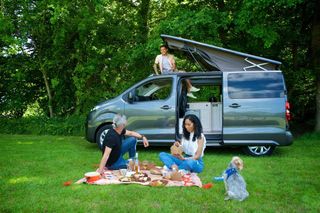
190, 147
166, 66
168, 63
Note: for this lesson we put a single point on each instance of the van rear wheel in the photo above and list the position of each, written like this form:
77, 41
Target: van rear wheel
259, 150
101, 134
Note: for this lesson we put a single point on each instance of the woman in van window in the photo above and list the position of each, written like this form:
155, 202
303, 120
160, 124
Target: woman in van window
193, 144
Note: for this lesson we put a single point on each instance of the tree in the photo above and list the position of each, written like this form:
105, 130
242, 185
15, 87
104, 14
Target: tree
315, 49
19, 84
80, 53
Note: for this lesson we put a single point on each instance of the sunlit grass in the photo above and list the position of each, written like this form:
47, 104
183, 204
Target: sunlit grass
34, 168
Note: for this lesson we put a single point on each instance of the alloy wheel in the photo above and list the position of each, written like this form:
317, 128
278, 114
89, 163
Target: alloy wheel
259, 150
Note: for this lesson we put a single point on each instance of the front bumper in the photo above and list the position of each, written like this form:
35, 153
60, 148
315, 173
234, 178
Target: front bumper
90, 131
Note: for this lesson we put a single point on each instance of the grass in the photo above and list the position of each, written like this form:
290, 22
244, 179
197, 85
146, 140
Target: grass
34, 168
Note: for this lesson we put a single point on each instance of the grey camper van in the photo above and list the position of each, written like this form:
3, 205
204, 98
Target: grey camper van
242, 101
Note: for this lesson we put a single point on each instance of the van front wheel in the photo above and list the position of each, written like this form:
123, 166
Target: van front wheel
101, 134
259, 150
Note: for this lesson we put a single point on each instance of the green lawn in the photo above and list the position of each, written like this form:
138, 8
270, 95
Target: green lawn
34, 168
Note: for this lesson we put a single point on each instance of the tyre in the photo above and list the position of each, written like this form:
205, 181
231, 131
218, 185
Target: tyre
101, 134
259, 150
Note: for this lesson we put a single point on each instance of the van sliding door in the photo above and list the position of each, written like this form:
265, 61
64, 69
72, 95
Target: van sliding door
253, 107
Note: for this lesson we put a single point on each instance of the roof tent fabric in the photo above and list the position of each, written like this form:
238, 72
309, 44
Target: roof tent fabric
213, 58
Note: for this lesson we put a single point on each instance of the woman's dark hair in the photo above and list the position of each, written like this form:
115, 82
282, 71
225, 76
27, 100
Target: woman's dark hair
197, 127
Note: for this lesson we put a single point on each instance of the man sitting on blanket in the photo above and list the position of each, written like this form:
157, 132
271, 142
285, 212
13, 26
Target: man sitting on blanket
113, 147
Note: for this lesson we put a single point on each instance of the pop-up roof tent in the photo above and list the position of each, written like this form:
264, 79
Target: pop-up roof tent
212, 58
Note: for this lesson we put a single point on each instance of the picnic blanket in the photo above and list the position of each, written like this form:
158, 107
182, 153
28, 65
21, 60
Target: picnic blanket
114, 177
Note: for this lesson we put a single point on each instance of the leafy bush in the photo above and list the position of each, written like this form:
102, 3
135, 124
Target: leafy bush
41, 125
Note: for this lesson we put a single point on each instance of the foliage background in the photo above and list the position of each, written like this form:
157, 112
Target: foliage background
69, 55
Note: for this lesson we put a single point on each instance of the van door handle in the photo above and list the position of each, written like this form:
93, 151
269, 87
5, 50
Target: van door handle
235, 105
165, 107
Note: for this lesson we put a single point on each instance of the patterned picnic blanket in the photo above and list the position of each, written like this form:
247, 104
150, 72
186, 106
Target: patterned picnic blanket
114, 177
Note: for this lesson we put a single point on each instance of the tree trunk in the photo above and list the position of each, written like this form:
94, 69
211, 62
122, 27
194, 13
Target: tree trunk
222, 31
48, 91
294, 52
315, 49
143, 21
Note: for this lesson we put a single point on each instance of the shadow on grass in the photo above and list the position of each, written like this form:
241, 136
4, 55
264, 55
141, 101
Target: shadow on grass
208, 151
222, 151
218, 151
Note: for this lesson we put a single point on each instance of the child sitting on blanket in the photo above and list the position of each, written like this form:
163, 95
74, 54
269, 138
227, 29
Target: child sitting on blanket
193, 144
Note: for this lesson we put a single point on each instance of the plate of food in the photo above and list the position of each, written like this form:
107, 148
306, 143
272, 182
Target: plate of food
141, 177
158, 183
155, 171
92, 176
125, 179
146, 165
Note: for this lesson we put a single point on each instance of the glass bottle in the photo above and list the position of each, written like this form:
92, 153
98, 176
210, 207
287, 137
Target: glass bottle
129, 165
136, 164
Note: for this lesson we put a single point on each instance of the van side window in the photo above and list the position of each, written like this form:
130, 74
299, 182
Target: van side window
255, 85
159, 89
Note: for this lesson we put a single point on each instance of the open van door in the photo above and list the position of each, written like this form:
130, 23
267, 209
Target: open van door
254, 110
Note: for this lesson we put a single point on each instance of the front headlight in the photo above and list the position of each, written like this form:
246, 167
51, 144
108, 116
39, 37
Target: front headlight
95, 108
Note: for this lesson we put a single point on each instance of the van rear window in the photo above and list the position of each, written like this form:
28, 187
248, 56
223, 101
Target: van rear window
255, 85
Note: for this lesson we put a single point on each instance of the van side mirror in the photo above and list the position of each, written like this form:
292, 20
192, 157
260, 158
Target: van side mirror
130, 97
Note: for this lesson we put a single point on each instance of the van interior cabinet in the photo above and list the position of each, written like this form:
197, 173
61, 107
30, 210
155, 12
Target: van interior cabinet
209, 113
216, 116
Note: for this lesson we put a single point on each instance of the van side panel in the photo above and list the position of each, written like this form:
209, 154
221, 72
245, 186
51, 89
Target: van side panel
154, 118
254, 108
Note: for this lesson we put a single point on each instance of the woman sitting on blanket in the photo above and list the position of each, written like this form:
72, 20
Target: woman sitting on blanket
193, 143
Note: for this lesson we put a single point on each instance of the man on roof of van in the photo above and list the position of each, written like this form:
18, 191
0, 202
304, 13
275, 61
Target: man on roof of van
167, 64
165, 61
